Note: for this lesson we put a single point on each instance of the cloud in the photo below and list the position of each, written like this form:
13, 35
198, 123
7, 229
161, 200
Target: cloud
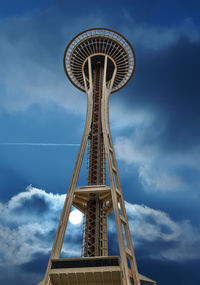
31, 54
163, 179
157, 236
27, 82
156, 37
28, 228
123, 116
31, 63
158, 167
166, 87
171, 240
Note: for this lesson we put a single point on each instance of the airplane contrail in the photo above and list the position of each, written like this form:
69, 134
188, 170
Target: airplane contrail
41, 144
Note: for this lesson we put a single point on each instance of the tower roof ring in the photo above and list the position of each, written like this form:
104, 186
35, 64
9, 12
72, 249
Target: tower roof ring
99, 42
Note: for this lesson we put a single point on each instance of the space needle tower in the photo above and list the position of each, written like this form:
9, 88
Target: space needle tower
98, 62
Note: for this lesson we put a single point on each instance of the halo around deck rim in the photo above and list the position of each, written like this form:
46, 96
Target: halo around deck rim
98, 41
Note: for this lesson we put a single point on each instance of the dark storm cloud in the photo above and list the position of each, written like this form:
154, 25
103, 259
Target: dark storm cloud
9, 186
12, 275
173, 273
167, 81
36, 204
166, 84
37, 264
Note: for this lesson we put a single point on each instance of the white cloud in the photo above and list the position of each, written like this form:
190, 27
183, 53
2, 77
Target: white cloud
146, 223
162, 179
26, 229
31, 68
154, 38
26, 82
122, 116
29, 232
152, 225
160, 236
130, 151
157, 168
31, 55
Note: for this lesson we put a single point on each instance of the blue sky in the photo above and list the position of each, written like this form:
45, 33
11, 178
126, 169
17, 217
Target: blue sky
154, 121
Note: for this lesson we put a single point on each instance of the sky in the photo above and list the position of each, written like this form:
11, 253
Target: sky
155, 124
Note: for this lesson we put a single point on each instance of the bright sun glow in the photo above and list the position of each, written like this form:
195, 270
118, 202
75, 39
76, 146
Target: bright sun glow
75, 217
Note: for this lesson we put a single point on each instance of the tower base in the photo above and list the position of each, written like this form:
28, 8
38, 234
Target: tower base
87, 270
90, 270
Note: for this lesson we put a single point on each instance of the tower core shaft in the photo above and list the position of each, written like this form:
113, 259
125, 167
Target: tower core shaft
95, 232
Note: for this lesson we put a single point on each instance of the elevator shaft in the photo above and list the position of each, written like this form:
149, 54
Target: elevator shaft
95, 227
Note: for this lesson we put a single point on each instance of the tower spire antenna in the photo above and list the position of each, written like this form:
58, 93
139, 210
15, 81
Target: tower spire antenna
99, 62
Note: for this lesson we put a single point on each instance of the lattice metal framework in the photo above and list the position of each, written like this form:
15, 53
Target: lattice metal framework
98, 62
